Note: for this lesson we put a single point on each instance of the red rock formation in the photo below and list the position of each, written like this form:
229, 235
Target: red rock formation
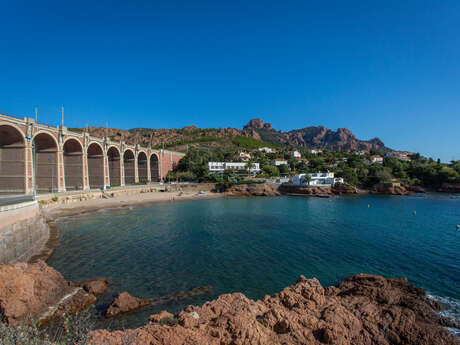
450, 188
162, 315
390, 189
256, 189
364, 309
96, 286
125, 303
36, 292
255, 123
309, 137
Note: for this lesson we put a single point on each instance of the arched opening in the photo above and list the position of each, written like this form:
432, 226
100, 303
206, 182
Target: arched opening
154, 168
95, 166
73, 165
12, 161
142, 167
46, 178
128, 160
113, 156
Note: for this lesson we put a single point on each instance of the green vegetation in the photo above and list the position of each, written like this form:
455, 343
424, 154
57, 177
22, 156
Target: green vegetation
76, 130
355, 169
251, 143
204, 139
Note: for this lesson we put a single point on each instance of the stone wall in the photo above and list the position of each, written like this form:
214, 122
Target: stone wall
23, 232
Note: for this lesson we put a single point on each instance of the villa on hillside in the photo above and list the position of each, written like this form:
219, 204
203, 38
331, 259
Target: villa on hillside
278, 162
244, 156
295, 154
360, 153
402, 155
315, 152
266, 149
221, 167
377, 159
316, 179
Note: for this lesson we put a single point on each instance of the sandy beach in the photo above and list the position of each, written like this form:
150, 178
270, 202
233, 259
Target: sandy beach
58, 210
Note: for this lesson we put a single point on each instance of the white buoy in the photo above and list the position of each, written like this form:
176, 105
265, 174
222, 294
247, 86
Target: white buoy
415, 212
458, 226
368, 205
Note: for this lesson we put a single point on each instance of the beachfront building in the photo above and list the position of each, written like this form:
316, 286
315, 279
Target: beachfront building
266, 149
316, 179
221, 167
278, 162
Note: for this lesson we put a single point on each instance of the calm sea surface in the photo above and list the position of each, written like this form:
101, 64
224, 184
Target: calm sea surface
259, 245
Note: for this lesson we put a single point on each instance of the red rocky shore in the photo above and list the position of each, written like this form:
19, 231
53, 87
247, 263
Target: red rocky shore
364, 309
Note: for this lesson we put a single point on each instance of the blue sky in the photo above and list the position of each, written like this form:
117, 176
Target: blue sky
387, 69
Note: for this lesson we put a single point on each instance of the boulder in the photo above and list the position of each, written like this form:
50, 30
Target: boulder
31, 293
96, 286
162, 315
125, 303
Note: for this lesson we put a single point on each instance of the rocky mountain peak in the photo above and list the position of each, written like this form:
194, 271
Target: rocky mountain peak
258, 124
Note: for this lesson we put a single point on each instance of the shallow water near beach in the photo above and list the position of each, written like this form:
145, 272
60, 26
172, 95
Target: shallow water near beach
258, 246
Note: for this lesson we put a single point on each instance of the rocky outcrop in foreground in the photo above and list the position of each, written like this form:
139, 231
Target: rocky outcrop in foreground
364, 309
31, 293
254, 189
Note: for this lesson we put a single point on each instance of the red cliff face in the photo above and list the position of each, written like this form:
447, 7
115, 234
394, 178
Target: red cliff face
313, 137
309, 137
364, 309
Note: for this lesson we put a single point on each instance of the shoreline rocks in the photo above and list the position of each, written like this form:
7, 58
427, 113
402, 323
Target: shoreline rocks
36, 293
363, 309
125, 303
254, 189
450, 188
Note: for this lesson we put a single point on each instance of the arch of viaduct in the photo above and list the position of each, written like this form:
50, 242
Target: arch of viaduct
53, 159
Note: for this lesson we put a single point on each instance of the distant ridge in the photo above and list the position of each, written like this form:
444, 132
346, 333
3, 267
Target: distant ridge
312, 137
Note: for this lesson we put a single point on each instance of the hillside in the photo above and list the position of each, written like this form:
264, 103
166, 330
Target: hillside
255, 134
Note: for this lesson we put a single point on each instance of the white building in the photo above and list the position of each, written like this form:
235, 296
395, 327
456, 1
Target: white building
295, 154
244, 156
316, 179
402, 155
315, 152
221, 167
278, 162
377, 159
360, 153
266, 149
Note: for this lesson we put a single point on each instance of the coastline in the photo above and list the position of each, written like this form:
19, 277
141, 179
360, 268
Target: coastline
186, 320
53, 213
56, 211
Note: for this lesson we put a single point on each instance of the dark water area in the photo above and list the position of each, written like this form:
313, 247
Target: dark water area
258, 246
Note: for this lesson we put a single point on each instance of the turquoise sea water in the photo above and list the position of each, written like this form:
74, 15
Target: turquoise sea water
260, 245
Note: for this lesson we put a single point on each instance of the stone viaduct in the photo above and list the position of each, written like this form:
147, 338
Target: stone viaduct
36, 157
